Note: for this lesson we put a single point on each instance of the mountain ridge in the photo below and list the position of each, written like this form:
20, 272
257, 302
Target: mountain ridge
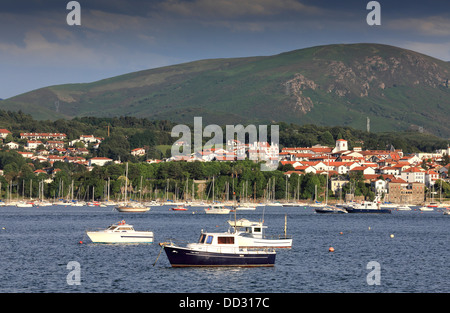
329, 85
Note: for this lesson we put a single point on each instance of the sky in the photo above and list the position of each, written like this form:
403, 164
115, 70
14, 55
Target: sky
38, 48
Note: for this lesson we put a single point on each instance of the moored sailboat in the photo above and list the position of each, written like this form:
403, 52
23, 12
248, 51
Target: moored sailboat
127, 207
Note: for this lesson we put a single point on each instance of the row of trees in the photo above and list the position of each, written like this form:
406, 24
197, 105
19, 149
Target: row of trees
172, 180
122, 134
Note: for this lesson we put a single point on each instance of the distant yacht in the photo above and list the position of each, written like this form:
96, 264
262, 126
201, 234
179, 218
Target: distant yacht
246, 206
330, 209
217, 209
24, 204
366, 207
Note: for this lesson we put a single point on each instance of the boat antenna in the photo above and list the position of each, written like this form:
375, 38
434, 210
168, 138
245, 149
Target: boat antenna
235, 209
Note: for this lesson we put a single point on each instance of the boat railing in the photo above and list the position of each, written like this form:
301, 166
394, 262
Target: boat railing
283, 236
177, 242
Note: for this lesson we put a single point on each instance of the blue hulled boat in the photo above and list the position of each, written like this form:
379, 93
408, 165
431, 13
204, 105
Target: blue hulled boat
217, 249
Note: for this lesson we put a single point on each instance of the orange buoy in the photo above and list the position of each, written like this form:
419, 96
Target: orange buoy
341, 233
331, 249
80, 242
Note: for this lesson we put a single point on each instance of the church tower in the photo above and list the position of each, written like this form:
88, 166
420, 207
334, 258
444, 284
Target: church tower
341, 145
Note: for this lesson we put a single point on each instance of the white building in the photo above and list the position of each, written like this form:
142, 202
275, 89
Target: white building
100, 161
138, 152
32, 144
341, 145
380, 186
430, 178
413, 175
4, 133
12, 145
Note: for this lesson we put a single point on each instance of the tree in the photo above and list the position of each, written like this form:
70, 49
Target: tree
115, 147
326, 138
141, 139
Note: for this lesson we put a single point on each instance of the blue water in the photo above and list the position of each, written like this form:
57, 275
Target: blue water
36, 245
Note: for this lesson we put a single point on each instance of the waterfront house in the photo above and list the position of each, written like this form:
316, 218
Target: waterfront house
100, 161
401, 191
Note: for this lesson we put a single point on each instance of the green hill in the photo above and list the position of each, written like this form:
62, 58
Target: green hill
330, 85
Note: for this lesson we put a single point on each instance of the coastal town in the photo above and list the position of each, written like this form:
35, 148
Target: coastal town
392, 175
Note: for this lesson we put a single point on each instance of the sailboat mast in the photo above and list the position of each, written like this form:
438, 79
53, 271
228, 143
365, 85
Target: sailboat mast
126, 181
285, 225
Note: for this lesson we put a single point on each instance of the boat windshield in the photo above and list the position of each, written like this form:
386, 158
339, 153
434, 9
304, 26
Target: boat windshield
124, 228
202, 238
209, 240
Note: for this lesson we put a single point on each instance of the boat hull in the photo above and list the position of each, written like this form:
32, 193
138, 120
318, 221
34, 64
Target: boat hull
257, 243
126, 209
184, 257
370, 211
330, 211
105, 237
220, 211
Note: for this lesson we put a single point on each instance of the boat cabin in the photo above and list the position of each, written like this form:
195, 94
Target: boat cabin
120, 227
248, 228
217, 239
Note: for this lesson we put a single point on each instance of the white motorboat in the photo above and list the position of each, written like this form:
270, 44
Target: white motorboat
273, 204
217, 249
120, 233
290, 205
447, 211
389, 205
426, 209
367, 207
330, 209
246, 206
42, 203
403, 208
251, 235
217, 209
152, 203
131, 207
24, 204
